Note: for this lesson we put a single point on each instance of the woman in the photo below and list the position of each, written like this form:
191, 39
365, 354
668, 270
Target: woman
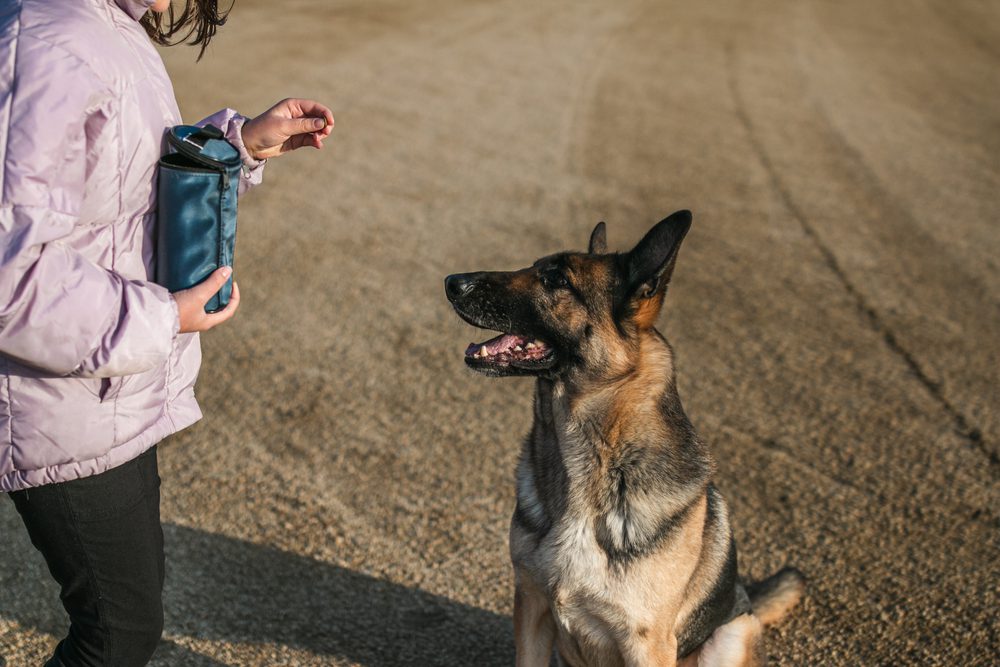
97, 363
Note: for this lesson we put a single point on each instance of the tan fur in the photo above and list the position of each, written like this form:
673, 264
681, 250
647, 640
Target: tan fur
735, 644
534, 628
708, 569
774, 597
523, 281
647, 312
625, 398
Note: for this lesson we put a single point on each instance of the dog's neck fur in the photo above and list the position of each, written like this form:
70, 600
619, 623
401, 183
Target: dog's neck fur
618, 447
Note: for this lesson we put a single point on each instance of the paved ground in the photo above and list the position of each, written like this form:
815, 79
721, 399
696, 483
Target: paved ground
836, 311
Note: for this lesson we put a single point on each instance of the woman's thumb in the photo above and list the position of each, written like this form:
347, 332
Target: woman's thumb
208, 288
303, 125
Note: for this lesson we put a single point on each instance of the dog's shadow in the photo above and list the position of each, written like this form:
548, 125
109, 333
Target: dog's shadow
222, 589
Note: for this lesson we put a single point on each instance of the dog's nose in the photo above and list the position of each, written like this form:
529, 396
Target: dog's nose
458, 285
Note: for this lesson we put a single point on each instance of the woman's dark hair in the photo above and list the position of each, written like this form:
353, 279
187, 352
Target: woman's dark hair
196, 24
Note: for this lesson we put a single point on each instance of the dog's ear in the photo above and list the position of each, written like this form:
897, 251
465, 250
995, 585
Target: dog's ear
598, 240
650, 264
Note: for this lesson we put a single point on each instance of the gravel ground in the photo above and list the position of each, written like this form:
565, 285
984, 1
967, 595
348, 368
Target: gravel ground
835, 312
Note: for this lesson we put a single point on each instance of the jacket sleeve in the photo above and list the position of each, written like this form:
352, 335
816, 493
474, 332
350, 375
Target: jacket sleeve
59, 311
231, 124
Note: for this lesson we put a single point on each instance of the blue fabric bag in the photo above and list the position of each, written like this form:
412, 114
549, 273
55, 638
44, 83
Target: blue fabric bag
196, 209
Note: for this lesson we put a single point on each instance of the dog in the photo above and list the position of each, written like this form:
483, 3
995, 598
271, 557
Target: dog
621, 543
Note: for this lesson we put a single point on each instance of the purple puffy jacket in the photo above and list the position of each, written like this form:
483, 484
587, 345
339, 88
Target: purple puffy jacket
92, 369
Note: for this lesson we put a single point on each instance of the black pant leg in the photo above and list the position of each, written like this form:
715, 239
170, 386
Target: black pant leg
151, 482
103, 543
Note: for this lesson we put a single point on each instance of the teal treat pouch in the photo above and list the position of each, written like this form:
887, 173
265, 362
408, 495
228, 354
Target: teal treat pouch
196, 209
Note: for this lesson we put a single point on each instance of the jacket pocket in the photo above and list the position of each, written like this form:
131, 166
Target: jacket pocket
104, 389
109, 388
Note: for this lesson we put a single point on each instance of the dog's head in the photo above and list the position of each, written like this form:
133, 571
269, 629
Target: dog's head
569, 311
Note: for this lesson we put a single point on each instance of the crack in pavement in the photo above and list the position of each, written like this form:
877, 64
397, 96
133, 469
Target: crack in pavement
773, 446
962, 423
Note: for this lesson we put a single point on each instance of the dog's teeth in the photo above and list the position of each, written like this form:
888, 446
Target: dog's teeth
531, 345
518, 348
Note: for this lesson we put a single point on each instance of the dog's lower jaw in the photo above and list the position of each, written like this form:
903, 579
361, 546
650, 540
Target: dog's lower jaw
541, 368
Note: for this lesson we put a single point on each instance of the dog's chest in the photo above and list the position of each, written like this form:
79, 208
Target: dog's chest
573, 570
570, 557
558, 545
593, 538
594, 602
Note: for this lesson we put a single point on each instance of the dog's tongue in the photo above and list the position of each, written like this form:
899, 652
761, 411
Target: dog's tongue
494, 346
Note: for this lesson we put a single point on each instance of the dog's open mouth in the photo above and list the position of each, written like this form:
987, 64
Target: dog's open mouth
510, 351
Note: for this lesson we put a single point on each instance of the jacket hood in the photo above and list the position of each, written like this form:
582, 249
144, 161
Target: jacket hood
135, 8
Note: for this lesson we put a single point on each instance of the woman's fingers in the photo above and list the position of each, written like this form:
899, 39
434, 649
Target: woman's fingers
309, 116
191, 302
314, 139
289, 124
296, 126
214, 319
314, 109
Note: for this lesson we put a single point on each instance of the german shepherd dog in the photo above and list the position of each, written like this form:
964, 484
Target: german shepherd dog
621, 544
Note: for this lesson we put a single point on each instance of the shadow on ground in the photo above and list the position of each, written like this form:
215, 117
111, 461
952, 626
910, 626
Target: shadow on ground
222, 589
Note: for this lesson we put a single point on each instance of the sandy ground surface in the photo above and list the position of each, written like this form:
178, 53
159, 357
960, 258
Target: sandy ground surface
836, 312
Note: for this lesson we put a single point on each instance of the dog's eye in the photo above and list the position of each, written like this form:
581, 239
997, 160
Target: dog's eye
553, 280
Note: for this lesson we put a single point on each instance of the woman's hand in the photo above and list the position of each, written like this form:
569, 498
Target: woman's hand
288, 125
191, 302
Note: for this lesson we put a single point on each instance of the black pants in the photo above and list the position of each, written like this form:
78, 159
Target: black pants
102, 540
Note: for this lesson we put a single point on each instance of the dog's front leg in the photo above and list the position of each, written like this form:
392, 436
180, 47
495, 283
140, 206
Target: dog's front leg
651, 650
534, 627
